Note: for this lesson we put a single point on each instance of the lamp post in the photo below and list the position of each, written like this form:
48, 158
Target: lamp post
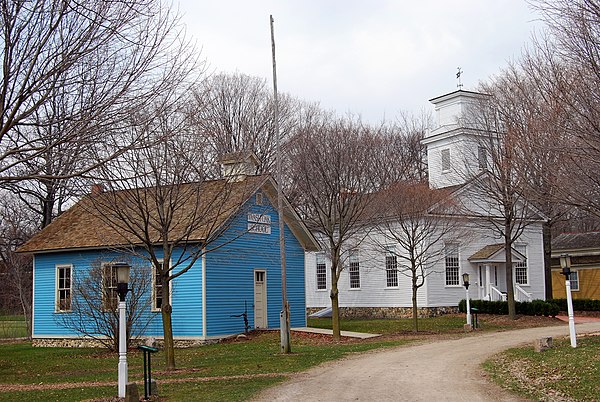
122, 270
465, 277
565, 263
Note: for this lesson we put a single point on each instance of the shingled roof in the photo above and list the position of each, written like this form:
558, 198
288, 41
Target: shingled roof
88, 223
487, 252
574, 241
495, 252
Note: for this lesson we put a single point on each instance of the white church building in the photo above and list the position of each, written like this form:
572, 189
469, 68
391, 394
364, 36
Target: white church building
373, 283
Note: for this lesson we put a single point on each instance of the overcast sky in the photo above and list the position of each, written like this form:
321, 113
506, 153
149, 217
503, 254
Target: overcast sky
373, 58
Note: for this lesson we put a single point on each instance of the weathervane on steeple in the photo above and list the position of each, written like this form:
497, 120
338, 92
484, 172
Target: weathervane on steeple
458, 74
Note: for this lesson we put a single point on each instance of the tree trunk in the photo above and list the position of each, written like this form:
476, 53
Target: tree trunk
414, 304
547, 240
48, 204
166, 310
510, 290
335, 308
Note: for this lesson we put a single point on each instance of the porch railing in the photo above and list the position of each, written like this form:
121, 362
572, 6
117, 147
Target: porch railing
495, 294
521, 294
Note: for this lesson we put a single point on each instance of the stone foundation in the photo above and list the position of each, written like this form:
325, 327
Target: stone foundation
66, 343
388, 312
94, 343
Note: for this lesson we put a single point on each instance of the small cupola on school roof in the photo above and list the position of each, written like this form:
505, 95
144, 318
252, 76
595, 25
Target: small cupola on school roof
453, 152
237, 165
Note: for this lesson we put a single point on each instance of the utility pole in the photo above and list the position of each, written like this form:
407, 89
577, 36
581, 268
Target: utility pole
284, 317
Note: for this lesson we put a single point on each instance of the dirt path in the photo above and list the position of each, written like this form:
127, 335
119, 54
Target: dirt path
439, 371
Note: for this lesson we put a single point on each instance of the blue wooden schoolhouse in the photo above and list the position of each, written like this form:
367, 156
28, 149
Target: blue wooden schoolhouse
241, 272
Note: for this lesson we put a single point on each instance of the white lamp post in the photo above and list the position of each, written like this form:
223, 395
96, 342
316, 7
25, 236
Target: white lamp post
465, 277
122, 289
565, 263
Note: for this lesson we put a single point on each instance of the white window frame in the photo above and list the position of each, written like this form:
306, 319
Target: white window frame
154, 293
321, 264
109, 291
452, 262
445, 163
574, 281
521, 265
391, 259
354, 270
58, 288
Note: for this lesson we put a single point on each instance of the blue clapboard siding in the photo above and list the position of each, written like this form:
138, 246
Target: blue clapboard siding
230, 274
229, 283
47, 322
186, 293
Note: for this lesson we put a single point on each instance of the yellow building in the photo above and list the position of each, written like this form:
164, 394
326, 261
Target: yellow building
584, 249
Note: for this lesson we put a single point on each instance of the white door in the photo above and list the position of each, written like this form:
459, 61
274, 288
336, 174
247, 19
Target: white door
260, 299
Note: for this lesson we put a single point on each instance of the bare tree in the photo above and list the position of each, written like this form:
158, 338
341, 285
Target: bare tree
103, 59
163, 206
49, 194
94, 301
407, 150
537, 120
413, 221
235, 112
335, 168
564, 65
497, 196
550, 103
16, 227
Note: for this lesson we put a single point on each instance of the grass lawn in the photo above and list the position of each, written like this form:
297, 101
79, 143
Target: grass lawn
443, 324
560, 373
210, 372
446, 324
21, 363
12, 326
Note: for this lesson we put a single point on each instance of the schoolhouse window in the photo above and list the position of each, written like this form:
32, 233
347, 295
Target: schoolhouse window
109, 287
354, 269
452, 265
157, 286
521, 266
259, 199
63, 287
391, 268
321, 272
445, 160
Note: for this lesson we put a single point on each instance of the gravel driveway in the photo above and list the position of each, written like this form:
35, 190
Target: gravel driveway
438, 371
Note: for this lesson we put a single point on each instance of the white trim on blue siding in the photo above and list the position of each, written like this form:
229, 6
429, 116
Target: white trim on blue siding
204, 293
265, 296
33, 298
57, 267
153, 308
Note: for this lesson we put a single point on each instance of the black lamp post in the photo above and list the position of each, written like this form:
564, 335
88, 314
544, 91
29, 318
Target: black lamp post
565, 263
122, 289
465, 277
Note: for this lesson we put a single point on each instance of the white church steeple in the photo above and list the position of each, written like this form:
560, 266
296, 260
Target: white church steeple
453, 151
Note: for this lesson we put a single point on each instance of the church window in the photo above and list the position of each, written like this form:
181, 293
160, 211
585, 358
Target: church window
452, 265
445, 160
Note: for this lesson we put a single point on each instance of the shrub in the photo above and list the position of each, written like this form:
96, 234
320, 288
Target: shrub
535, 307
578, 304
